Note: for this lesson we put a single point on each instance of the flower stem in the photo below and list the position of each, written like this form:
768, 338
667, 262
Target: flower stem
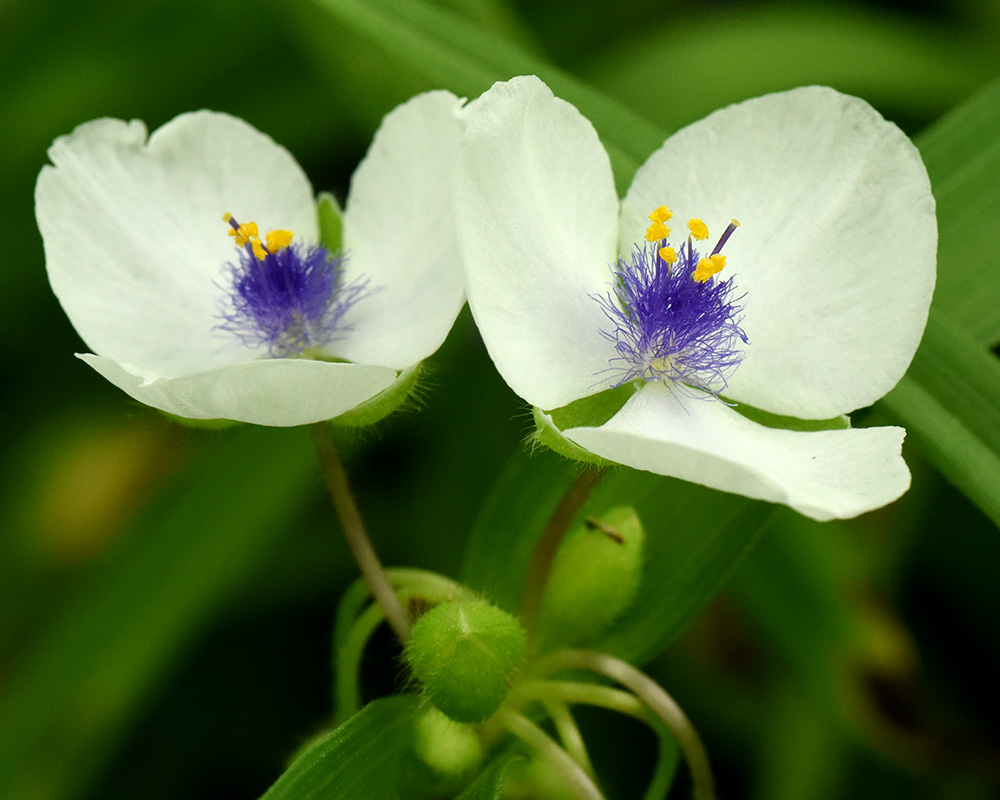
548, 545
569, 733
653, 695
528, 732
354, 531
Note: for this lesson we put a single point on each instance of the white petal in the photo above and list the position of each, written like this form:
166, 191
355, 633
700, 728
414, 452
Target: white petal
265, 392
399, 234
837, 248
537, 216
822, 474
135, 244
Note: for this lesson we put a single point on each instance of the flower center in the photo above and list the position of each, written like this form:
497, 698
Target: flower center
674, 320
282, 295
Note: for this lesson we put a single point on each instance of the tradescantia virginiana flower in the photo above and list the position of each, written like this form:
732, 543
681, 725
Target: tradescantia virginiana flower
737, 354
267, 324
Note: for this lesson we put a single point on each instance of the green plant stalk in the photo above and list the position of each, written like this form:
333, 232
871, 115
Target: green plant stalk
354, 531
569, 733
654, 696
533, 736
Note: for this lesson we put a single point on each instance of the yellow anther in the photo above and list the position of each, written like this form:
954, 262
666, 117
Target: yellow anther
668, 254
735, 222
226, 217
699, 230
656, 232
244, 233
258, 249
278, 239
662, 214
707, 267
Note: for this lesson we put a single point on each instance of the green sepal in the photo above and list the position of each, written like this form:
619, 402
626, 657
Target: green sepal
201, 424
594, 579
382, 404
466, 653
587, 412
331, 222
769, 420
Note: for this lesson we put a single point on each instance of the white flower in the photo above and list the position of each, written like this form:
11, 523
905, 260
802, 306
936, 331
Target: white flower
831, 274
183, 319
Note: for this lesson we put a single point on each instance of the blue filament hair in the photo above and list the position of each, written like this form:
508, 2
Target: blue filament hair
669, 327
290, 301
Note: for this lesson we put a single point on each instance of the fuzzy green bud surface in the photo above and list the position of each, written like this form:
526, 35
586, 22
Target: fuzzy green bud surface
594, 579
466, 654
448, 748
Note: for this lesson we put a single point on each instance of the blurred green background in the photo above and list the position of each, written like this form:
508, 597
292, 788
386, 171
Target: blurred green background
167, 593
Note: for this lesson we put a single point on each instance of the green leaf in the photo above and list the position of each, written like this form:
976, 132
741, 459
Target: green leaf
962, 155
357, 761
949, 401
955, 450
885, 58
467, 59
72, 697
694, 538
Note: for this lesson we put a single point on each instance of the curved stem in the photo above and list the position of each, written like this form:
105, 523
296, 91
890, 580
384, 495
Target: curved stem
653, 695
347, 692
548, 544
354, 531
425, 584
533, 736
569, 733
590, 694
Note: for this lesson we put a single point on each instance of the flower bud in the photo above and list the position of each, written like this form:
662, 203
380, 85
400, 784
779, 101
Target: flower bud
466, 653
594, 579
449, 749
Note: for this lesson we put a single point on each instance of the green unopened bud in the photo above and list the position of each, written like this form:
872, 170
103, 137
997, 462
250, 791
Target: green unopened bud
594, 579
466, 653
449, 749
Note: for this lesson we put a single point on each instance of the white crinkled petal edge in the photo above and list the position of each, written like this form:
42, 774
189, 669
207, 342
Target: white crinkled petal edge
834, 474
537, 219
837, 248
279, 392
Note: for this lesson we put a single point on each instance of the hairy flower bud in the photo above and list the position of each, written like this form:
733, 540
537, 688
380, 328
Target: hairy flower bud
466, 653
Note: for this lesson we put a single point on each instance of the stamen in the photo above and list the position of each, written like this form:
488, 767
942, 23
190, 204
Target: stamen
699, 230
673, 321
707, 267
656, 232
668, 254
661, 214
278, 239
285, 296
